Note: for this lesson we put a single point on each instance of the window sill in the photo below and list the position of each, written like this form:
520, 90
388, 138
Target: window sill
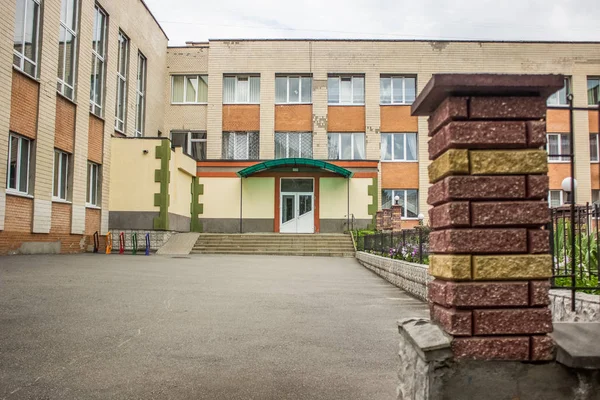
557, 105
57, 200
241, 104
11, 192
191, 104
294, 104
92, 207
25, 74
400, 161
346, 104
66, 98
559, 162
395, 104
97, 116
594, 162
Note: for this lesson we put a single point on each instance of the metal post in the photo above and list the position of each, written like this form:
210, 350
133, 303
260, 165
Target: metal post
420, 245
572, 155
241, 202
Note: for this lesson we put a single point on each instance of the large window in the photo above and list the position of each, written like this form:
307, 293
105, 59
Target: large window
240, 145
593, 91
27, 34
19, 156
189, 89
559, 148
293, 89
193, 143
60, 186
595, 196
399, 146
140, 94
397, 90
67, 48
122, 67
555, 198
293, 145
560, 98
408, 199
98, 62
241, 89
594, 147
93, 184
346, 146
349, 90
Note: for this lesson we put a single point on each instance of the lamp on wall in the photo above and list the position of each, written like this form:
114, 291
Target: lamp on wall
566, 186
421, 217
397, 198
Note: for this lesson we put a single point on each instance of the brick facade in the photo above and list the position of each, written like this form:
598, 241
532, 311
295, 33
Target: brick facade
24, 108
64, 136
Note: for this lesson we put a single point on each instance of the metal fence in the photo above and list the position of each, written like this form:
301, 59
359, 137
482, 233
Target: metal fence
409, 244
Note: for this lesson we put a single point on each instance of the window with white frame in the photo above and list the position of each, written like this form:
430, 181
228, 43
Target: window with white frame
595, 196
189, 89
98, 62
594, 147
399, 146
140, 94
555, 198
293, 89
593, 91
346, 89
346, 146
60, 188
558, 147
240, 145
407, 198
93, 184
241, 89
293, 145
19, 158
560, 98
27, 36
397, 89
193, 143
67, 48
122, 67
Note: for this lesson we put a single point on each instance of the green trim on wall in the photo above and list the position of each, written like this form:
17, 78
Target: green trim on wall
162, 176
373, 191
197, 208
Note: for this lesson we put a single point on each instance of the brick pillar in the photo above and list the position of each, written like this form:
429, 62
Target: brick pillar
379, 221
396, 218
490, 253
387, 219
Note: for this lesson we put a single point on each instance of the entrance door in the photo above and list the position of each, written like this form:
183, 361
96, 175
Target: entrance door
297, 206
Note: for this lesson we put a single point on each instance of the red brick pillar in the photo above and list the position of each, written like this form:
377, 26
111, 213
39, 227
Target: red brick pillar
396, 218
379, 221
489, 188
387, 219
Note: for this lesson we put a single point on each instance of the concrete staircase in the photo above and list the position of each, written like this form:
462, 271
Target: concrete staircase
324, 245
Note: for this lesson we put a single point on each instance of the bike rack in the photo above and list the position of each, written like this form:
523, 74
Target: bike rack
109, 240
121, 243
96, 241
134, 243
147, 244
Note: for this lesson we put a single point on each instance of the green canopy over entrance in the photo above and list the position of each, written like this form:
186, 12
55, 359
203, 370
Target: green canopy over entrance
294, 162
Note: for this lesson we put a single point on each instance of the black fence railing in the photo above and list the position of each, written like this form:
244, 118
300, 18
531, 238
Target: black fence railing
409, 244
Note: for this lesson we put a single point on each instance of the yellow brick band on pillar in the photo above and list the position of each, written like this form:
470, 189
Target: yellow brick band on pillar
507, 267
450, 267
501, 162
452, 162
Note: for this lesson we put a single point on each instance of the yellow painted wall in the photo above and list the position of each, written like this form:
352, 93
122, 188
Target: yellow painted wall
221, 197
182, 168
132, 185
258, 197
359, 197
333, 198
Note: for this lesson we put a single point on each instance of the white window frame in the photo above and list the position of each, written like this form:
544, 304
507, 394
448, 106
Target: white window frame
62, 180
287, 90
140, 95
189, 140
597, 148
98, 58
235, 136
392, 78
554, 99
405, 138
237, 79
91, 168
21, 56
287, 143
595, 193
353, 102
560, 157
185, 81
21, 140
340, 151
593, 78
62, 85
395, 192
122, 77
561, 195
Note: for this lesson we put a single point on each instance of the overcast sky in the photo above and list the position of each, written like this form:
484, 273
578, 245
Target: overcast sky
194, 20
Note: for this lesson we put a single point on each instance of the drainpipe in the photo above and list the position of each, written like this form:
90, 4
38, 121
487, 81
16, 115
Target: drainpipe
241, 203
348, 213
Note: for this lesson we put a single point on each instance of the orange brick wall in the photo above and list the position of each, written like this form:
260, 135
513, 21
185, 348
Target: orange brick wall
10, 242
345, 119
95, 139
293, 118
24, 105
92, 221
61, 218
19, 214
557, 172
398, 119
593, 121
65, 124
557, 121
245, 117
399, 175
595, 175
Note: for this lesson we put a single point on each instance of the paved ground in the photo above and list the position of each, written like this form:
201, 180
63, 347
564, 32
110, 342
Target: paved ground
203, 327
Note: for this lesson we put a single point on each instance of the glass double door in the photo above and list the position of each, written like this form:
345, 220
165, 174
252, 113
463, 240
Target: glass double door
297, 206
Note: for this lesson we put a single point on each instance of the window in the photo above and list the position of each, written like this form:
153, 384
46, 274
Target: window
241, 90
593, 90
122, 67
140, 95
555, 198
98, 54
595, 196
346, 90
408, 199
19, 156
558, 147
93, 184
27, 34
189, 89
192, 142
67, 48
399, 146
594, 147
346, 146
397, 90
60, 187
560, 98
293, 89
293, 145
240, 145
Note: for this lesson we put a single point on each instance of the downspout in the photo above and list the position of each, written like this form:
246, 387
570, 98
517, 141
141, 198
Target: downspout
348, 213
241, 203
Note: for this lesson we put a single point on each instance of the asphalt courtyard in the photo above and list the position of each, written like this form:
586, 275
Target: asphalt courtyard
202, 327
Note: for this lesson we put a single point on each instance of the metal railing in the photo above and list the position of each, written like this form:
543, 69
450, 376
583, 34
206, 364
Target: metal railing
409, 244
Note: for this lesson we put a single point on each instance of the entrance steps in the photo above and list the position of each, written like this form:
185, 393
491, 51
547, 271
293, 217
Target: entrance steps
323, 245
